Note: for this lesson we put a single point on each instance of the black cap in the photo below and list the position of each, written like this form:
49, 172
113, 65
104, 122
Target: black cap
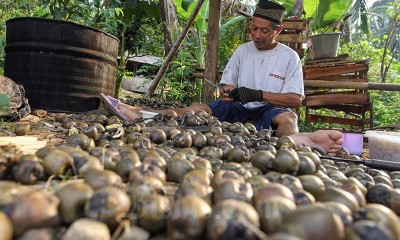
269, 10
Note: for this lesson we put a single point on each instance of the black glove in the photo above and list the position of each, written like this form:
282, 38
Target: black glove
245, 95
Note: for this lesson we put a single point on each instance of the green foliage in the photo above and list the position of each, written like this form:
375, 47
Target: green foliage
184, 8
16, 8
4, 104
78, 11
177, 83
232, 34
365, 50
288, 4
148, 39
386, 107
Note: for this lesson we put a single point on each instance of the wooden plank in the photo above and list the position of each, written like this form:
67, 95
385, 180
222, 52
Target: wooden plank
339, 58
344, 78
338, 120
348, 65
346, 108
336, 98
296, 24
294, 38
332, 63
324, 92
312, 73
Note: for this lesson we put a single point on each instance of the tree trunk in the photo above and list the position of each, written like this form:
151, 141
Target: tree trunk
170, 26
347, 31
173, 19
298, 8
166, 29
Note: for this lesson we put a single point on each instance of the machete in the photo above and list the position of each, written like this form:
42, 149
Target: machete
372, 163
215, 85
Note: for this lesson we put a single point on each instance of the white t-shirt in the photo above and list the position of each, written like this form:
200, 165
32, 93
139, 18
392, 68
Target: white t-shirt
278, 70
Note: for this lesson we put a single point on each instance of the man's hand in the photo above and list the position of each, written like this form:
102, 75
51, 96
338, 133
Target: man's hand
245, 95
225, 94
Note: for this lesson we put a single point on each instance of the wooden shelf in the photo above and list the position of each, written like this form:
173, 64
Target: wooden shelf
338, 84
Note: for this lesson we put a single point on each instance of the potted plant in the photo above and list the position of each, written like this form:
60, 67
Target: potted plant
325, 19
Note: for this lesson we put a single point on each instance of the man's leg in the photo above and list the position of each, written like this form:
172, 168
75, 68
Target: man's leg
133, 112
282, 120
286, 124
329, 140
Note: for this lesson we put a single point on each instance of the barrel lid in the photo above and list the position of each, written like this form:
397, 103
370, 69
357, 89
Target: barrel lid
60, 21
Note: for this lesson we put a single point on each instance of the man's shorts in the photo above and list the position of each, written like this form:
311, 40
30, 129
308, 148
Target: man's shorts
232, 112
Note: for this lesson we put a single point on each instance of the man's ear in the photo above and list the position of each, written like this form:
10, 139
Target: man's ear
279, 29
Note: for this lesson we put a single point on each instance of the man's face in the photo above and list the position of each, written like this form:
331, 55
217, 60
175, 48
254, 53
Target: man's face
263, 33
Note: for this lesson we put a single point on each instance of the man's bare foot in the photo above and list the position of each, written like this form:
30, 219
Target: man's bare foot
130, 112
329, 140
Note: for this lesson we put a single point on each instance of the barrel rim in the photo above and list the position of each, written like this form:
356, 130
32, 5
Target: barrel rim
61, 21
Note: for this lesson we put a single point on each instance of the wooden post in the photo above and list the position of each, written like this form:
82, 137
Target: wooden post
173, 50
211, 56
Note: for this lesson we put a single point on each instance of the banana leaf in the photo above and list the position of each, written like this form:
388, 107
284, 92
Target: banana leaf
326, 13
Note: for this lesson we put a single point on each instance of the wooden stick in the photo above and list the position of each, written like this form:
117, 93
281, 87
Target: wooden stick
335, 84
174, 50
384, 86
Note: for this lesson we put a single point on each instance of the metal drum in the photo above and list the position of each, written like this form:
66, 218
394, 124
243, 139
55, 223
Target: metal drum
63, 66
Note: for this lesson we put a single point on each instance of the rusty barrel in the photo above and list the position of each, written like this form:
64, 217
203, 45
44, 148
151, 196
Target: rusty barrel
62, 65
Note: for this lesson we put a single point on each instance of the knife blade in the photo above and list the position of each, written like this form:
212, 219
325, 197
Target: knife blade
372, 163
215, 85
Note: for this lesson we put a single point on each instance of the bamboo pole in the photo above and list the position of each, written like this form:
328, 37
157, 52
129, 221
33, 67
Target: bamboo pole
352, 85
174, 50
384, 86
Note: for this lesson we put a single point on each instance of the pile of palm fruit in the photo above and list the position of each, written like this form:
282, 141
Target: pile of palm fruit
188, 177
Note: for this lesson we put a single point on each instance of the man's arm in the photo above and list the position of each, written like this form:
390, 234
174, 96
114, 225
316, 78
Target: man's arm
290, 100
245, 95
